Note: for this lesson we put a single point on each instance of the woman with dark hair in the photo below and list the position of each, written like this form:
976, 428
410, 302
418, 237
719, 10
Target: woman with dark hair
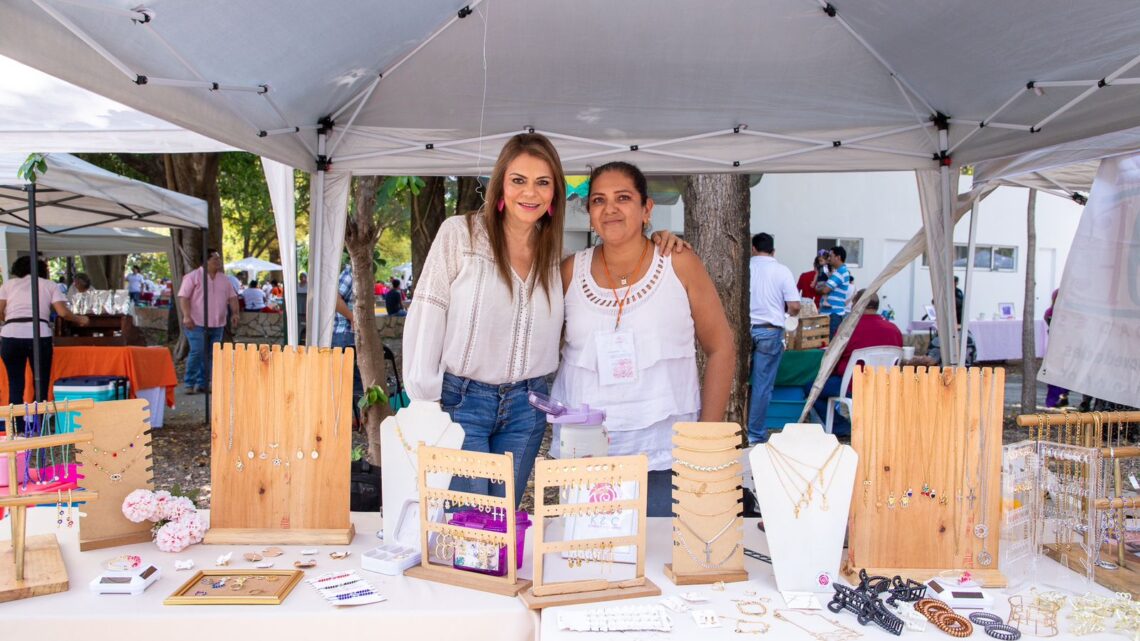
484, 328
16, 335
634, 318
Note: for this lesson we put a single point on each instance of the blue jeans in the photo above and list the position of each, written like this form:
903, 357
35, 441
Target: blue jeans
200, 361
841, 426
496, 419
348, 339
767, 349
834, 320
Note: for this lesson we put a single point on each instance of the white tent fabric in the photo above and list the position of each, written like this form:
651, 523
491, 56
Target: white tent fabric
74, 194
940, 250
725, 85
252, 265
1094, 338
279, 177
326, 244
84, 242
46, 114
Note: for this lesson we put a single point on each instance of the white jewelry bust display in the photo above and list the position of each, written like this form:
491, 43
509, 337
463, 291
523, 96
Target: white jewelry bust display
804, 480
400, 436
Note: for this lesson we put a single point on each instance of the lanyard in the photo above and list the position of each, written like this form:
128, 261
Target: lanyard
621, 301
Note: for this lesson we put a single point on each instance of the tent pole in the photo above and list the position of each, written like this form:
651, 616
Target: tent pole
967, 286
947, 324
37, 371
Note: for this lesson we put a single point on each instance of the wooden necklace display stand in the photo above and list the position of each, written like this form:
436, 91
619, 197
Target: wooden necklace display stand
116, 462
33, 566
708, 514
281, 441
615, 471
928, 490
497, 468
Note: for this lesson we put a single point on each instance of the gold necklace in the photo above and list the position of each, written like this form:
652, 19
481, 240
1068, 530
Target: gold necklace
702, 437
113, 453
688, 448
805, 495
735, 510
839, 631
706, 468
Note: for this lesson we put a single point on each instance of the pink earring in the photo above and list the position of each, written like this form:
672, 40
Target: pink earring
550, 210
502, 204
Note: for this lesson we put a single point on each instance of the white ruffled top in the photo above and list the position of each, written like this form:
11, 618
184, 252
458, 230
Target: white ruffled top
639, 415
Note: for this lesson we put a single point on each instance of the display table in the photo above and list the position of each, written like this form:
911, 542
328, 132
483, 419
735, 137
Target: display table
920, 326
1000, 340
415, 609
1049, 576
145, 367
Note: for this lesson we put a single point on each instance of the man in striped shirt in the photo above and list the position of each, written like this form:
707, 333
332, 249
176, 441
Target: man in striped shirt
836, 289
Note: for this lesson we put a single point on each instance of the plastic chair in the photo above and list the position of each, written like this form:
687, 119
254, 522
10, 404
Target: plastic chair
871, 356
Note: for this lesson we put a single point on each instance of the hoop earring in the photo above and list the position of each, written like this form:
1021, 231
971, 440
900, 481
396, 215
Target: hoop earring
502, 205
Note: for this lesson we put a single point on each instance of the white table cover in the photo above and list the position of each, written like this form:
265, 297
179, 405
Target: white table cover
1000, 340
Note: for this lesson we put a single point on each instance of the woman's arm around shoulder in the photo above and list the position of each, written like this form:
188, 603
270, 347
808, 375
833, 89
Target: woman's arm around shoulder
713, 334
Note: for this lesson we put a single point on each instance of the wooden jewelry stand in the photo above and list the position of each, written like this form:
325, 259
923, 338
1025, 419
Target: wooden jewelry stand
587, 472
1105, 431
929, 479
281, 434
33, 566
116, 462
498, 468
707, 495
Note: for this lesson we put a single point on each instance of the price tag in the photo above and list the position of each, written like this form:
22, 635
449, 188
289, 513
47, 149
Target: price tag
1132, 480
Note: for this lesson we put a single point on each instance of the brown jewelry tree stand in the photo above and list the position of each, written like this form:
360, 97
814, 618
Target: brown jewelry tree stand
281, 434
588, 473
707, 512
33, 566
928, 487
116, 462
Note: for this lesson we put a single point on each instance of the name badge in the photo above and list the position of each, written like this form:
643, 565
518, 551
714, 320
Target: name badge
617, 357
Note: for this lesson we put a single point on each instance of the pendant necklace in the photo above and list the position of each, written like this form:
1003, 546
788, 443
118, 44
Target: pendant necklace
409, 449
981, 530
624, 281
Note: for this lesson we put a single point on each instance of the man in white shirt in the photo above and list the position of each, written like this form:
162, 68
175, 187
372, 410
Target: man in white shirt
253, 298
772, 292
134, 284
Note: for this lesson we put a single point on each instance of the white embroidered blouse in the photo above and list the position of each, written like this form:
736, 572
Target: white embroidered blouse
466, 321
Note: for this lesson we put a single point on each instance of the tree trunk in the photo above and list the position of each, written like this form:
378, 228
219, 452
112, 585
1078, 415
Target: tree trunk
468, 195
195, 175
106, 272
360, 237
717, 210
428, 211
1028, 340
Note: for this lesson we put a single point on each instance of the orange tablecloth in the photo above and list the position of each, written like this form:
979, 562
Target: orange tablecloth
145, 367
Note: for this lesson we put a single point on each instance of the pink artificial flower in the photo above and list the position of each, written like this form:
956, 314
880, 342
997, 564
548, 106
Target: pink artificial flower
192, 521
172, 537
140, 506
177, 507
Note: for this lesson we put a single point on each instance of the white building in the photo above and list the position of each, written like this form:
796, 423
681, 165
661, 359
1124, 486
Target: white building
874, 214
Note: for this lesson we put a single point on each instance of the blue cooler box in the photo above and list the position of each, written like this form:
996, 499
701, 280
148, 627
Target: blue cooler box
96, 388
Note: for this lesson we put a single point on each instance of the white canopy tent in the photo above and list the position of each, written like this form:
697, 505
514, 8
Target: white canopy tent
94, 241
726, 85
253, 265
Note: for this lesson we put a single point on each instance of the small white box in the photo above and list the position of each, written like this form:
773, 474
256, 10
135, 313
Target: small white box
393, 557
132, 582
971, 597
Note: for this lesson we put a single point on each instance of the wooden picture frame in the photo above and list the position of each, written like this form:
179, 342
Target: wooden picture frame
258, 587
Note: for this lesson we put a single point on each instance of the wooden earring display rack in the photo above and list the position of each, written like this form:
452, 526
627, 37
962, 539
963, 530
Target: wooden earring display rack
281, 434
497, 468
708, 494
115, 463
928, 487
588, 472
1106, 436
33, 566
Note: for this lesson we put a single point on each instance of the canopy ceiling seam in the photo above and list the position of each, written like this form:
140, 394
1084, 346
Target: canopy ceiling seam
461, 14
137, 14
833, 12
1045, 84
917, 116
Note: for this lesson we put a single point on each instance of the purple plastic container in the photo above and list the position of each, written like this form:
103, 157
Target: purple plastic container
477, 520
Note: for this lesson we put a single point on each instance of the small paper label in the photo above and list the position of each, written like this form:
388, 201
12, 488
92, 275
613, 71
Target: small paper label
1132, 480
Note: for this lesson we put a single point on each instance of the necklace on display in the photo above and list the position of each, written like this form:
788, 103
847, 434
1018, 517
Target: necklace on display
981, 530
838, 631
707, 468
708, 542
409, 450
784, 471
705, 437
704, 564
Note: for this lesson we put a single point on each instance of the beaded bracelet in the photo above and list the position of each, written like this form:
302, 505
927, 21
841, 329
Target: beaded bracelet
1003, 632
985, 618
953, 624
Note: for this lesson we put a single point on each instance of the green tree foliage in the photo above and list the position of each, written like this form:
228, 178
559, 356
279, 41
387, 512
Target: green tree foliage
247, 212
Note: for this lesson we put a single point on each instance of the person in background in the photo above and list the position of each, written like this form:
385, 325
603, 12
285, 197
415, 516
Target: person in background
872, 330
62, 285
81, 284
275, 290
253, 298
634, 318
303, 284
16, 313
836, 289
135, 281
817, 274
1054, 396
394, 299
235, 282
959, 299
201, 332
343, 334
771, 294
